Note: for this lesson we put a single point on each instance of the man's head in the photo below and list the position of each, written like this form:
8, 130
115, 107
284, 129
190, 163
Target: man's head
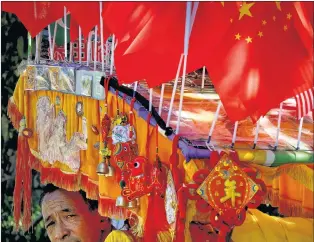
69, 216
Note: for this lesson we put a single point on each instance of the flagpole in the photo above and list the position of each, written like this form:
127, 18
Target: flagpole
278, 127
299, 134
174, 91
54, 39
65, 35
71, 52
150, 99
234, 134
50, 43
36, 49
256, 133
101, 37
188, 28
203, 78
29, 54
95, 48
80, 45
161, 98
112, 54
214, 123
88, 48
135, 88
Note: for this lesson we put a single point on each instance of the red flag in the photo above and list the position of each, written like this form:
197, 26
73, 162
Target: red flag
150, 40
303, 13
74, 30
85, 14
35, 16
260, 60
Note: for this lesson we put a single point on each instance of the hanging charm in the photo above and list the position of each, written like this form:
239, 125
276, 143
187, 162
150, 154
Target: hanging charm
79, 109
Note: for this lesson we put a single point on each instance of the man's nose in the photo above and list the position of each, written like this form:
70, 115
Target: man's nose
61, 232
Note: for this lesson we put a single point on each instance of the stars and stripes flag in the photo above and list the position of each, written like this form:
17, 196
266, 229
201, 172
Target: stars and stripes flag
304, 103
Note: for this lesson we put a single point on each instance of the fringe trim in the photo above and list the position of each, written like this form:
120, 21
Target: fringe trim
68, 181
14, 114
301, 173
107, 207
60, 179
286, 206
294, 208
90, 187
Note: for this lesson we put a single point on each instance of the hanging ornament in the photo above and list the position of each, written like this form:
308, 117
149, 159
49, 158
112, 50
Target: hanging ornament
95, 130
124, 153
228, 190
79, 109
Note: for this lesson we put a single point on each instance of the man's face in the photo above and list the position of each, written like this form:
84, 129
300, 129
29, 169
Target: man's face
67, 218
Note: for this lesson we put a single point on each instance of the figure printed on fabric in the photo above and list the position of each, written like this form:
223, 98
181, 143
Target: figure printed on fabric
52, 143
121, 134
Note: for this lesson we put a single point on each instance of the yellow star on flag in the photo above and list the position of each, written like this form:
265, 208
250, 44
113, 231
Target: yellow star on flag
274, 18
260, 34
264, 22
245, 10
289, 16
285, 28
222, 3
248, 39
237, 36
231, 20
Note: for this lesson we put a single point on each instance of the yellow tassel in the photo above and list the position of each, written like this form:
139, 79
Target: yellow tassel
164, 236
301, 173
138, 229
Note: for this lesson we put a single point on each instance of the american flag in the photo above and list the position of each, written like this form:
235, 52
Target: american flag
304, 103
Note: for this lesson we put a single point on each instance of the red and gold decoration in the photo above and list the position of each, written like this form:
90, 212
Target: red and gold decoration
229, 190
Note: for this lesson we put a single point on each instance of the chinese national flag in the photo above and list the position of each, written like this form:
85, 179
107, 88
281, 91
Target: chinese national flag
35, 16
259, 61
150, 39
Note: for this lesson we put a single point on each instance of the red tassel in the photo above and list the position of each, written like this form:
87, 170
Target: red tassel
14, 114
17, 194
23, 184
155, 211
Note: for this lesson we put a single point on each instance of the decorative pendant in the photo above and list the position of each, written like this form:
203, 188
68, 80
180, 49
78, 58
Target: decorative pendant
95, 130
28, 133
97, 145
58, 101
79, 109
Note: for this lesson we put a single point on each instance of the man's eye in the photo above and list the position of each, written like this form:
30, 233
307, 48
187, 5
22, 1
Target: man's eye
71, 215
50, 224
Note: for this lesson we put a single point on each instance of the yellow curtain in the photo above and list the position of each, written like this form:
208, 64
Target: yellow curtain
260, 227
285, 186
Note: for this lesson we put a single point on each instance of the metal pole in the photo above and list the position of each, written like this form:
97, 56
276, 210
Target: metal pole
278, 127
186, 47
214, 123
256, 132
161, 98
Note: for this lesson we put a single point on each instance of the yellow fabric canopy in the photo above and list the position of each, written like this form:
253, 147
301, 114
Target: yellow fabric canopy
292, 193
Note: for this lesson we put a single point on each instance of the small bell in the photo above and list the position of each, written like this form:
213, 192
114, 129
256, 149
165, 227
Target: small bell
133, 203
102, 169
121, 201
110, 171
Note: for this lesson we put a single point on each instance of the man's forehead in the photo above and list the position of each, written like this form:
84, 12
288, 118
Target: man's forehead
60, 200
